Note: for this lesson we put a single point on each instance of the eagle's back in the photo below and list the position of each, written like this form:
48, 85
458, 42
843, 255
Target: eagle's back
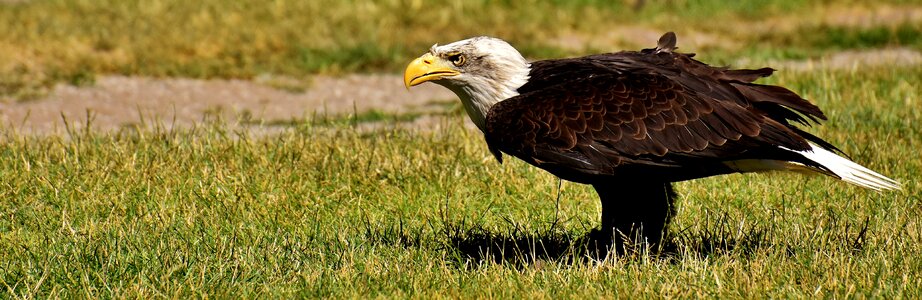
646, 112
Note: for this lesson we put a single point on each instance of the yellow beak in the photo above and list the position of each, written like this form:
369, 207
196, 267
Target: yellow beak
427, 68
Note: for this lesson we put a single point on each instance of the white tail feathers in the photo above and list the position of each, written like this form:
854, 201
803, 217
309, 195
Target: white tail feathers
848, 170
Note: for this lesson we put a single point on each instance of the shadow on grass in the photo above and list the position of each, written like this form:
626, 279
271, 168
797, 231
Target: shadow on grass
718, 236
474, 245
477, 245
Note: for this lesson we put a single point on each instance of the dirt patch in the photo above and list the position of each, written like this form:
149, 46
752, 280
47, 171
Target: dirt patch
118, 101
847, 60
636, 37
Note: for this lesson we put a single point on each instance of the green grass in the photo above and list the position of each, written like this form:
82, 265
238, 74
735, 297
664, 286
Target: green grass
329, 209
72, 41
326, 210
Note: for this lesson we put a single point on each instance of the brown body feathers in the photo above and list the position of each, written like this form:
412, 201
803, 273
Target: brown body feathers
653, 113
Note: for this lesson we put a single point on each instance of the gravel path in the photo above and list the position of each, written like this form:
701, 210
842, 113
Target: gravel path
117, 101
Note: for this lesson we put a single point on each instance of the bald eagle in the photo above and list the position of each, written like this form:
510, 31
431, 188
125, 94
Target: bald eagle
633, 122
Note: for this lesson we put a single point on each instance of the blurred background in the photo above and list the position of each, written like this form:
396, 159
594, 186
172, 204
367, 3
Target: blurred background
286, 59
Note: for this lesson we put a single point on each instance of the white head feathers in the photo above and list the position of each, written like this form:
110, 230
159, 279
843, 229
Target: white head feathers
492, 71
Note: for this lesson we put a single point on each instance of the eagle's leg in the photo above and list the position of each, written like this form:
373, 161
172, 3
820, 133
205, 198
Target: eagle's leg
635, 213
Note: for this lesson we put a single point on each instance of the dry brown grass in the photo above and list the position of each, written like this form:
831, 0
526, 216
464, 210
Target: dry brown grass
46, 42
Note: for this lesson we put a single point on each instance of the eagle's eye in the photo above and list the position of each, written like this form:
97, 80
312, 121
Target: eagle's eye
456, 59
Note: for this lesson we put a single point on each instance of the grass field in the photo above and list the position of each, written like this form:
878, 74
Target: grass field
327, 210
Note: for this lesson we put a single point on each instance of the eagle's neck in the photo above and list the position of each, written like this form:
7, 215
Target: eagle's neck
478, 94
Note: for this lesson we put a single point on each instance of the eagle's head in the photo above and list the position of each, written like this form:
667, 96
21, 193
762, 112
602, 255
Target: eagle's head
481, 71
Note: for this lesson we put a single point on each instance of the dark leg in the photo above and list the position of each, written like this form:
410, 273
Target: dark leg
634, 213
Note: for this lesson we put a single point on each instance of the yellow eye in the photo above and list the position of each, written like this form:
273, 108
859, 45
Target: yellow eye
456, 59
